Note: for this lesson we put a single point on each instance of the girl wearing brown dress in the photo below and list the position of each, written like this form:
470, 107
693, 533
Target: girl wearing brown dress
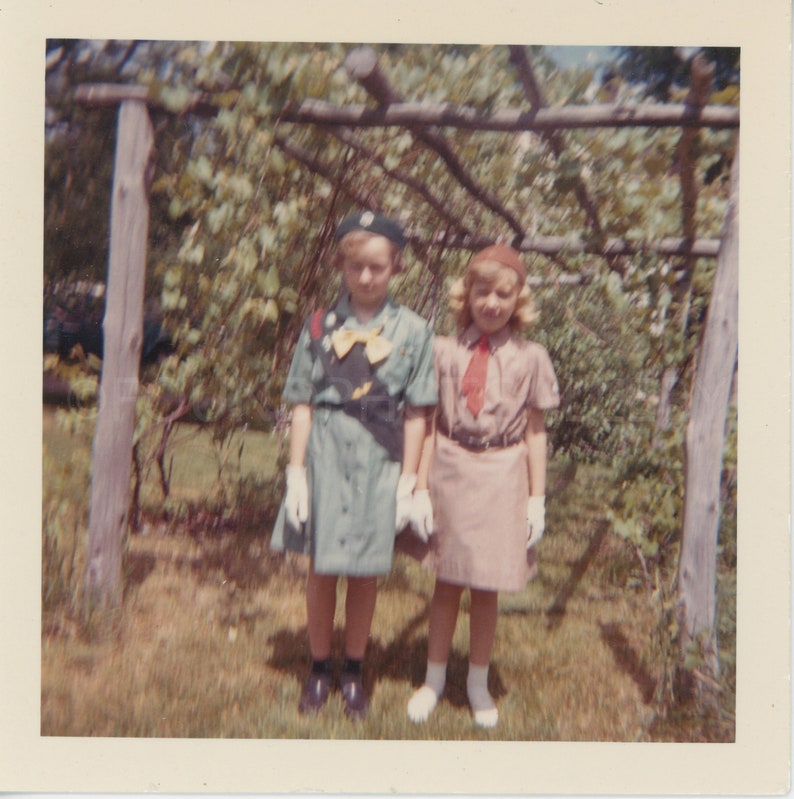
479, 505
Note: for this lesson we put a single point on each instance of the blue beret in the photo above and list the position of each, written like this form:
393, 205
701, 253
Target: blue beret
372, 223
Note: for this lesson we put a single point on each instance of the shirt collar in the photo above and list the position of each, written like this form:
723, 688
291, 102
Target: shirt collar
471, 335
343, 310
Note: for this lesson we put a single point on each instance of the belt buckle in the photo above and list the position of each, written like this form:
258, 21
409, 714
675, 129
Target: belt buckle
480, 444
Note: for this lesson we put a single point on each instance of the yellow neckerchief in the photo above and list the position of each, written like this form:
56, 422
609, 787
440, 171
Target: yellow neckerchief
376, 347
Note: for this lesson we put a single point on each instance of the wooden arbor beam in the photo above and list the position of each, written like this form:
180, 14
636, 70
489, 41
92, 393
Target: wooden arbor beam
123, 338
99, 95
574, 245
705, 435
416, 115
702, 76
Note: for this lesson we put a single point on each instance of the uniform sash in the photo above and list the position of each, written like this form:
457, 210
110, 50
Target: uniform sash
362, 394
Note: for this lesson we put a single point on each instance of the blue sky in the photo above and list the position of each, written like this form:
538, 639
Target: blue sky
579, 55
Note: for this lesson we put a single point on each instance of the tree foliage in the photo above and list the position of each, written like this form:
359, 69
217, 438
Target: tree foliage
244, 206
664, 71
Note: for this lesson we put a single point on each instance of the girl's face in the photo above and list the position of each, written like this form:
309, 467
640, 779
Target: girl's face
492, 300
366, 270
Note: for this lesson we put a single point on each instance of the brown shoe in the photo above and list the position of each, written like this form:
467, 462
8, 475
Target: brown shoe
356, 702
315, 693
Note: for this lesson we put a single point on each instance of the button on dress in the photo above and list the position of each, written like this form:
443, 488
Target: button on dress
352, 479
479, 498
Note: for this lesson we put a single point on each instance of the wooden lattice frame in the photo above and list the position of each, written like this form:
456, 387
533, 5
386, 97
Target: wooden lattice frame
423, 120
718, 353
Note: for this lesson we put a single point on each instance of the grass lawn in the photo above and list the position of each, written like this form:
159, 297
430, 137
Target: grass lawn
211, 639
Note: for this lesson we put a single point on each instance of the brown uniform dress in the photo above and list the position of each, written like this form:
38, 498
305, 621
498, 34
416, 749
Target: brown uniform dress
480, 497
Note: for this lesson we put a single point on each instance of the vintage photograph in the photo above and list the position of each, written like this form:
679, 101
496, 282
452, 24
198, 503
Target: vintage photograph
390, 391
373, 409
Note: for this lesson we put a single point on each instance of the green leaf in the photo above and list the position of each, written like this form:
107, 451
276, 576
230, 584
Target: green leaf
175, 208
276, 162
172, 278
614, 288
250, 94
175, 99
267, 237
193, 336
169, 299
201, 170
271, 311
270, 282
242, 187
195, 255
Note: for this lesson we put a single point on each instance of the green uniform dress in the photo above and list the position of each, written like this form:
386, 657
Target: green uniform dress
354, 449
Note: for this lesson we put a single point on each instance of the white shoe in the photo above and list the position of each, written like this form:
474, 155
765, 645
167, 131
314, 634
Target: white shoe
421, 704
486, 718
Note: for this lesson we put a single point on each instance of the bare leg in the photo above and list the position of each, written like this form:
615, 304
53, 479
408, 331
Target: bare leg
320, 609
443, 616
482, 625
359, 610
362, 592
484, 610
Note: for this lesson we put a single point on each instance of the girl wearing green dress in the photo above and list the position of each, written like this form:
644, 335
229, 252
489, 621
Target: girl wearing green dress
360, 382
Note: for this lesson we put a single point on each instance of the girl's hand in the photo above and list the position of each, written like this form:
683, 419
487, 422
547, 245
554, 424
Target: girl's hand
296, 501
405, 490
536, 519
422, 515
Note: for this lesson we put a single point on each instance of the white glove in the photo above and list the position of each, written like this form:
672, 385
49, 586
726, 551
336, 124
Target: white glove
422, 515
536, 520
405, 489
296, 501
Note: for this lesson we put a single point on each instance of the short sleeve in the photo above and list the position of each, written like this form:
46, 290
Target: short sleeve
422, 390
544, 391
298, 388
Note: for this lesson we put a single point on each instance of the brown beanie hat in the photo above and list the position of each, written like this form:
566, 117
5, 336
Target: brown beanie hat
504, 255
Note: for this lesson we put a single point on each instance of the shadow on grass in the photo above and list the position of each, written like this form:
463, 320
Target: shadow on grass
557, 609
403, 659
627, 661
138, 566
242, 557
244, 560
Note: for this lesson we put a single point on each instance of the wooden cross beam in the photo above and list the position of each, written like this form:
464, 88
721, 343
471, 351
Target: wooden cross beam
414, 115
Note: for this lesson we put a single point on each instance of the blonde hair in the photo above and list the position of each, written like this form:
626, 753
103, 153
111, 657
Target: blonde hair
350, 242
524, 313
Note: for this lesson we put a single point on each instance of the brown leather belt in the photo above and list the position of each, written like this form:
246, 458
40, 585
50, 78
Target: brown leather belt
478, 444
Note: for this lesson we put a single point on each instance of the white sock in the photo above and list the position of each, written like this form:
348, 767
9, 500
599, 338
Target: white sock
485, 711
425, 699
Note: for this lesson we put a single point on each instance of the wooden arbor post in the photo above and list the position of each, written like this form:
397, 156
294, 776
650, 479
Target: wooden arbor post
123, 336
705, 442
